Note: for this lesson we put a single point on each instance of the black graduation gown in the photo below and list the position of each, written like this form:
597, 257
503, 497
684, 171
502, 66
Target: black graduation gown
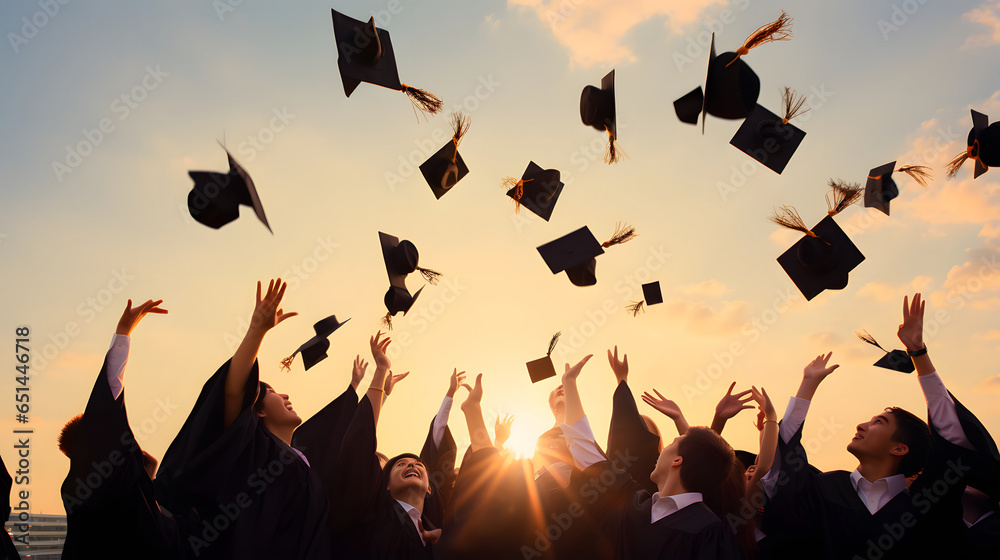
368, 523
623, 510
982, 540
823, 512
630, 443
257, 498
107, 486
440, 464
7, 550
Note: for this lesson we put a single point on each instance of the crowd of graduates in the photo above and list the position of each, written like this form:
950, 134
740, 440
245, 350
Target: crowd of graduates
246, 478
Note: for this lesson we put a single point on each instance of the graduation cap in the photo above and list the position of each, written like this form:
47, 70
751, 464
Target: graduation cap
576, 253
982, 145
771, 139
543, 368
216, 197
825, 255
651, 295
896, 360
746, 458
365, 55
446, 168
880, 188
731, 86
402, 258
597, 109
537, 190
314, 349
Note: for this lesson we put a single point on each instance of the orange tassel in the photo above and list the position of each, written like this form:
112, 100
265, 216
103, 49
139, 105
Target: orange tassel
777, 30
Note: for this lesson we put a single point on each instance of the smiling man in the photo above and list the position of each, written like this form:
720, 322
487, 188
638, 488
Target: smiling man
870, 513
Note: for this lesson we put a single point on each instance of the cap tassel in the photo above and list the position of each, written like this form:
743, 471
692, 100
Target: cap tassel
286, 364
460, 124
552, 343
777, 30
634, 308
788, 217
793, 105
423, 100
863, 335
513, 183
431, 276
623, 234
843, 195
919, 173
614, 153
956, 164
386, 321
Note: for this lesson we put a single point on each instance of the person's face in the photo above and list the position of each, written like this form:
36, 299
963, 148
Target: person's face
408, 475
668, 461
557, 401
277, 410
874, 438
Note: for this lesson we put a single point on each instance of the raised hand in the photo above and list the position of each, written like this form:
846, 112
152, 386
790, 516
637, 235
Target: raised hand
391, 380
358, 372
572, 373
267, 313
667, 407
817, 369
620, 367
911, 332
731, 404
457, 380
766, 409
475, 394
131, 316
378, 346
501, 429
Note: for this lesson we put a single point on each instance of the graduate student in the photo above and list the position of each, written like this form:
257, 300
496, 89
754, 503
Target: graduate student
674, 522
379, 512
233, 460
869, 512
110, 480
631, 438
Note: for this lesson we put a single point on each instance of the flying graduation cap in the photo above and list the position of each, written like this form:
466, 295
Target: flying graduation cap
982, 145
771, 139
537, 190
314, 350
365, 55
543, 368
896, 360
576, 253
597, 109
401, 258
445, 169
731, 87
651, 295
825, 255
215, 198
880, 188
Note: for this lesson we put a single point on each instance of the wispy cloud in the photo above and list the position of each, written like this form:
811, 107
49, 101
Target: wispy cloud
989, 385
988, 15
883, 291
709, 288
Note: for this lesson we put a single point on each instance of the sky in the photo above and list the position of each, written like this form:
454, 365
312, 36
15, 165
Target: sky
108, 105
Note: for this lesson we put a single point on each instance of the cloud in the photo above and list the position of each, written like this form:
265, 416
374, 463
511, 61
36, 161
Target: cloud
592, 30
708, 288
699, 317
491, 21
988, 15
990, 335
989, 385
883, 291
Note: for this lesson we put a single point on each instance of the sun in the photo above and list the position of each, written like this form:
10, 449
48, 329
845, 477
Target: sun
525, 430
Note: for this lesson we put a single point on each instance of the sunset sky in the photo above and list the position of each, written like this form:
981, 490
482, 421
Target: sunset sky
108, 106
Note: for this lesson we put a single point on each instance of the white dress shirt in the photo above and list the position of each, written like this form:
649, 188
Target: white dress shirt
414, 514
876, 494
983, 516
117, 359
666, 505
441, 421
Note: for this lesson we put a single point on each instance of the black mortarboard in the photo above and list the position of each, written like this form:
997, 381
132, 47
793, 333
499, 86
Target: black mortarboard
574, 253
543, 368
896, 360
401, 258
768, 138
597, 106
446, 168
398, 299
731, 90
216, 197
314, 350
651, 293
821, 262
365, 55
539, 190
747, 458
880, 188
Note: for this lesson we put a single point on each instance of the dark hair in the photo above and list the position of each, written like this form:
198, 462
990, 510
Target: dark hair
914, 433
707, 459
258, 405
727, 502
69, 437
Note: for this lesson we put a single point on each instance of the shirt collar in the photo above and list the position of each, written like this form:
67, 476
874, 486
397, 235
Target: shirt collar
894, 484
414, 515
667, 505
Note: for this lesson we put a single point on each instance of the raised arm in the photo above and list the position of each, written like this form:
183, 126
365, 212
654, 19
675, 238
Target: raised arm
730, 406
118, 354
768, 427
382, 364
669, 408
266, 315
574, 406
472, 407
